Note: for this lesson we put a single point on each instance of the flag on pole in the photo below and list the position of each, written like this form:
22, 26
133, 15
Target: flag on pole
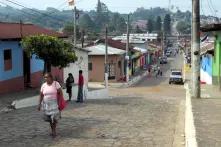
71, 2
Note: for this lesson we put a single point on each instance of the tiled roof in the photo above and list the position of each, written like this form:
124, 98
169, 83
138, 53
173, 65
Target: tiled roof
17, 31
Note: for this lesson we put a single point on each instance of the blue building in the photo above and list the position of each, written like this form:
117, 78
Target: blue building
206, 69
17, 71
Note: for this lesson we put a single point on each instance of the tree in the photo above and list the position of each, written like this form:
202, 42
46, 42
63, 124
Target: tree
183, 27
69, 30
138, 30
150, 25
53, 51
86, 22
167, 24
117, 24
102, 16
158, 24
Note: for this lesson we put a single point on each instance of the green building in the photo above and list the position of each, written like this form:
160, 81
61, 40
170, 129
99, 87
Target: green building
215, 29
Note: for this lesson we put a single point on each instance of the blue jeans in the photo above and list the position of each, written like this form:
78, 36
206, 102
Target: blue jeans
80, 94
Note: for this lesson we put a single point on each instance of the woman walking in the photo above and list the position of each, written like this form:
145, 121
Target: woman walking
49, 101
69, 82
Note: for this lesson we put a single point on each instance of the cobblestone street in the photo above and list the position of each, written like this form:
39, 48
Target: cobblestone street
144, 115
116, 122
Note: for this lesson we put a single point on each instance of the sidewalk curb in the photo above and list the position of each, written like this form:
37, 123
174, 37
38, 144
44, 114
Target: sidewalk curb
88, 95
179, 137
135, 80
190, 130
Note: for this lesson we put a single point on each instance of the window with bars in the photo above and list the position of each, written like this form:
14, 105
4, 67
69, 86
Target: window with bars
7, 59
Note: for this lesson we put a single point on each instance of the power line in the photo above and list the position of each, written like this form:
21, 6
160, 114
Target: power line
61, 6
211, 3
201, 7
44, 14
212, 11
23, 12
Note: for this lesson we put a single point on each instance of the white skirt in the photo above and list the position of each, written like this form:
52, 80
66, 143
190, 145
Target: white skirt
50, 108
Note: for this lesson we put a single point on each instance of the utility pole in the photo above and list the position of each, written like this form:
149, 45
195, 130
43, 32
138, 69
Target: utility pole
106, 58
82, 38
21, 28
195, 49
75, 27
162, 40
127, 49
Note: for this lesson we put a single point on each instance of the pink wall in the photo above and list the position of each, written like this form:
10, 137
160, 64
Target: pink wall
58, 74
12, 85
97, 73
37, 77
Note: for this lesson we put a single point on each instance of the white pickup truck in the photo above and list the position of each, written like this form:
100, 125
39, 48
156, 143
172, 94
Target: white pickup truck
176, 77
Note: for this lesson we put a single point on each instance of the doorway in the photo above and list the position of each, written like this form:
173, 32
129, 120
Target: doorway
26, 70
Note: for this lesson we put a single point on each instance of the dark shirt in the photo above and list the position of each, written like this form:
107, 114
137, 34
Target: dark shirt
69, 82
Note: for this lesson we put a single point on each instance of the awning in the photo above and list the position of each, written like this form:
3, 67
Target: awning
142, 50
206, 47
136, 55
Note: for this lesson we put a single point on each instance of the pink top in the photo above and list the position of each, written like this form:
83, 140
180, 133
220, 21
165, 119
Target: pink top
50, 91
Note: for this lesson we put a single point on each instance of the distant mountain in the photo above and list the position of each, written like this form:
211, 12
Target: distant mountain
56, 19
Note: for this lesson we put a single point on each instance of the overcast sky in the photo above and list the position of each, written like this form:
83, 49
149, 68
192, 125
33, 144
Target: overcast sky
208, 7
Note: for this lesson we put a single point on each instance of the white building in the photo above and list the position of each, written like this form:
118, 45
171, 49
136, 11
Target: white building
138, 37
80, 64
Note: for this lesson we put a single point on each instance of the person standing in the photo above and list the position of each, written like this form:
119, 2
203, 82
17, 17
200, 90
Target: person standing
48, 101
69, 82
80, 87
149, 71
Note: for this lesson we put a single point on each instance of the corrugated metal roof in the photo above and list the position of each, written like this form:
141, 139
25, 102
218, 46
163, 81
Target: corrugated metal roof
100, 50
206, 46
142, 50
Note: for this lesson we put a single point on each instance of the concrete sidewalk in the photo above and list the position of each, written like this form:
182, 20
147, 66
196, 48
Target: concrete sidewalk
133, 80
207, 117
29, 97
203, 117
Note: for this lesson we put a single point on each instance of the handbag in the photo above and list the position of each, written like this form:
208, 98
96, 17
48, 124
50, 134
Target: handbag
61, 102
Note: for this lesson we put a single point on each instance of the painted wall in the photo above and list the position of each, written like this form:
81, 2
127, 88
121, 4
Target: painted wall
81, 64
15, 76
36, 64
217, 60
97, 73
10, 78
206, 69
17, 60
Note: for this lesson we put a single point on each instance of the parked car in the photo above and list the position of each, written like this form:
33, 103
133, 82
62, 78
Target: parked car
176, 77
168, 54
163, 60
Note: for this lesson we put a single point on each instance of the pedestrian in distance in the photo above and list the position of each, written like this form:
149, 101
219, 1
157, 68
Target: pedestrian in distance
48, 101
80, 87
69, 83
158, 72
149, 71
161, 73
